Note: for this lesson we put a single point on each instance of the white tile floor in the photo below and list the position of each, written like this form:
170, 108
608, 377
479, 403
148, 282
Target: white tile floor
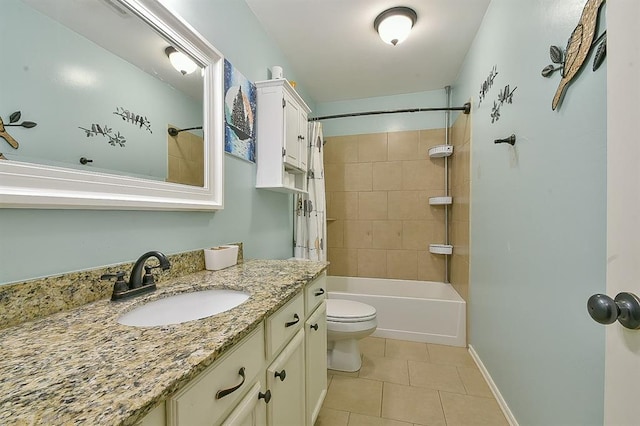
408, 383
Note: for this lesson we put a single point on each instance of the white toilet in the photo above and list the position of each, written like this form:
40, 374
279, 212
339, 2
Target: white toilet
347, 322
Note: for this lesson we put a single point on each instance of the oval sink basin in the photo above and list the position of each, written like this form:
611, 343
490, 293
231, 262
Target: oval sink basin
183, 307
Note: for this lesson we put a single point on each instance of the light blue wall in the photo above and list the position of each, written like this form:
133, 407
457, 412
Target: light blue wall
538, 217
35, 243
385, 122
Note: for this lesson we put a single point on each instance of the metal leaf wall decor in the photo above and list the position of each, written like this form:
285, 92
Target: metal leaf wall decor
13, 121
113, 138
580, 43
486, 85
135, 119
504, 97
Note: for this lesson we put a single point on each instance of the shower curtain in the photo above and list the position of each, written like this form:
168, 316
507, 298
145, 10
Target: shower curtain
310, 226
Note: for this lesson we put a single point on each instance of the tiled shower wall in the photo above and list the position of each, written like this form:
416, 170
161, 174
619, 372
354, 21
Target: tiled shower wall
459, 187
380, 223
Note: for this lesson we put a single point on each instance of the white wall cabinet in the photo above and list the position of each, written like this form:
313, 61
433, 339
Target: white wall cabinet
276, 376
282, 137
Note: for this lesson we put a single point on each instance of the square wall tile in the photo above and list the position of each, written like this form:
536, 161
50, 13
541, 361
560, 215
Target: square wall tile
357, 234
422, 175
416, 235
372, 263
387, 234
402, 264
358, 177
430, 138
403, 145
372, 205
341, 149
372, 147
408, 205
430, 266
343, 262
335, 234
334, 177
387, 176
344, 205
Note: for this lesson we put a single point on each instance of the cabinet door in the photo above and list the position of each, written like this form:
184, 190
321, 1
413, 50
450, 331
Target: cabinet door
315, 339
251, 411
285, 380
291, 131
303, 131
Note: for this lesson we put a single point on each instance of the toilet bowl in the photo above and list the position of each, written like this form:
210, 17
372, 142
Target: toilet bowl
347, 322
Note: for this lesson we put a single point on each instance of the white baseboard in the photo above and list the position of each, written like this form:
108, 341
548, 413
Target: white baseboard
494, 389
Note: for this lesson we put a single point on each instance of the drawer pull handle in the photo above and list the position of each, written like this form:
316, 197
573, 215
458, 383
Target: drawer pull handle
319, 292
282, 375
222, 393
294, 322
314, 326
266, 396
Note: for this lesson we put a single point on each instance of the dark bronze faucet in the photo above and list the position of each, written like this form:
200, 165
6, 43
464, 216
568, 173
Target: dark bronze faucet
138, 283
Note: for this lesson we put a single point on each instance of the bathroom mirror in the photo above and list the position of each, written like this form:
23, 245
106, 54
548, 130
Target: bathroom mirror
94, 77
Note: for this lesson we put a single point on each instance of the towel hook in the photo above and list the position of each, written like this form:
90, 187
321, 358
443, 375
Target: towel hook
511, 140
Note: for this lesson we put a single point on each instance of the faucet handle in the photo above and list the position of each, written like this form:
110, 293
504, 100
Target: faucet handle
148, 278
120, 285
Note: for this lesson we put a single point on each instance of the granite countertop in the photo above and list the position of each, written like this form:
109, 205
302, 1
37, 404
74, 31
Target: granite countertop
82, 367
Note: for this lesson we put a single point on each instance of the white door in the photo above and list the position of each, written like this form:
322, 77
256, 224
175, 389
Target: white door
622, 355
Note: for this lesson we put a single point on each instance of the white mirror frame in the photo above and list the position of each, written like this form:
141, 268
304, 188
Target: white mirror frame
26, 185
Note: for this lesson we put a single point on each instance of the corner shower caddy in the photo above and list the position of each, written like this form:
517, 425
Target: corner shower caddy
443, 151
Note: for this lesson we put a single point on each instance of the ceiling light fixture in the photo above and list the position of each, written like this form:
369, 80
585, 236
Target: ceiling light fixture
394, 24
180, 61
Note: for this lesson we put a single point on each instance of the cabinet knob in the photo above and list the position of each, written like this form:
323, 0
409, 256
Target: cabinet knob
266, 396
314, 326
282, 374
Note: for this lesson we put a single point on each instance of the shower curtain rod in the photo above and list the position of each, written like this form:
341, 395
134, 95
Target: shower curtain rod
466, 108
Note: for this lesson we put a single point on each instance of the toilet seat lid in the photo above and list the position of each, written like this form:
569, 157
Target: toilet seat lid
340, 310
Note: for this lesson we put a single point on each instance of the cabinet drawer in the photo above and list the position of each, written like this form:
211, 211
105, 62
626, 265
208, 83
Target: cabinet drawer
314, 293
283, 324
211, 395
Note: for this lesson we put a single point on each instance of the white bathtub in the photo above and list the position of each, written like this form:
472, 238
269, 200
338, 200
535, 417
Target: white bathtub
419, 311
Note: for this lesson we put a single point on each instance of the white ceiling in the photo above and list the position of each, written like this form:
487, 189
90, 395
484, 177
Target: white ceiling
336, 53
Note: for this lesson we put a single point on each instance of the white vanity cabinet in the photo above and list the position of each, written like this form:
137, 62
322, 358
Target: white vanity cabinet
251, 409
286, 381
315, 344
276, 376
281, 146
213, 394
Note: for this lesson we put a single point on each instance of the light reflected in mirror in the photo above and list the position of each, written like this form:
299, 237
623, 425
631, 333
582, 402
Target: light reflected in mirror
96, 80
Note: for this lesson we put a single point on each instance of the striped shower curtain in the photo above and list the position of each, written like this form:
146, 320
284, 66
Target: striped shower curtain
310, 230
